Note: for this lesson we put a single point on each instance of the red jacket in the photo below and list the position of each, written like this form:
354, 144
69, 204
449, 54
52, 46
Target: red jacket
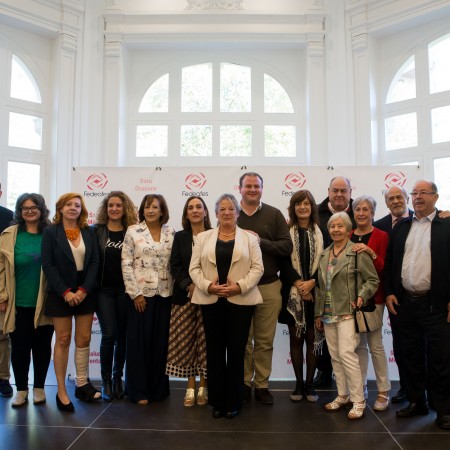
378, 242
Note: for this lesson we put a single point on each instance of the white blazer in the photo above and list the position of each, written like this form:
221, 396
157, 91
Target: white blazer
246, 267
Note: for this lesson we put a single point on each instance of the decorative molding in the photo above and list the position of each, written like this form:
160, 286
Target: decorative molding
214, 4
68, 42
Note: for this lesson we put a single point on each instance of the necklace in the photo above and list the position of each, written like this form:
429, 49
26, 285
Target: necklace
229, 234
335, 257
360, 236
72, 233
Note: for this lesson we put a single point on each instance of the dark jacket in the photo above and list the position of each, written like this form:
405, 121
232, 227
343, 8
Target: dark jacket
324, 216
6, 216
180, 259
59, 265
440, 262
385, 223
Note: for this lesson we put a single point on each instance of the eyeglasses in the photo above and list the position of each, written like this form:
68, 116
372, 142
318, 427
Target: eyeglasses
415, 193
342, 191
26, 209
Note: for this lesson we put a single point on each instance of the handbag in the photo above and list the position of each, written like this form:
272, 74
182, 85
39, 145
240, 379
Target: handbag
366, 317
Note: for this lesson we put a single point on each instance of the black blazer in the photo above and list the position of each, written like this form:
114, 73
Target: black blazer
440, 261
385, 223
59, 265
180, 259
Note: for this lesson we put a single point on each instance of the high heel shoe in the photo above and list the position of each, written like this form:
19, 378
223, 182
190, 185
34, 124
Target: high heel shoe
107, 392
202, 396
62, 407
189, 398
117, 387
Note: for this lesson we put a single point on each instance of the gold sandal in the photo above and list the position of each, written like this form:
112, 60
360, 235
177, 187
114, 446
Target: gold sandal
189, 398
202, 396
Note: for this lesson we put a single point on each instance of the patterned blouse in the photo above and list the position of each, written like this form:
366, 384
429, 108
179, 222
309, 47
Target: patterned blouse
145, 263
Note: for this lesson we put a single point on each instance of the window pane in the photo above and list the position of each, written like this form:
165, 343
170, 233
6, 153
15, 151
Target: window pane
196, 140
279, 141
442, 180
196, 88
403, 85
25, 131
156, 99
235, 88
22, 177
276, 99
440, 124
236, 140
151, 140
23, 84
408, 163
439, 64
401, 131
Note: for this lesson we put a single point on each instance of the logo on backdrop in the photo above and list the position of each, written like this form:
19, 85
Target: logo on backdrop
293, 182
395, 179
194, 183
96, 181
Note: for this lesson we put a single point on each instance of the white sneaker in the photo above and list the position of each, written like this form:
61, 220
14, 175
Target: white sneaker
38, 396
20, 399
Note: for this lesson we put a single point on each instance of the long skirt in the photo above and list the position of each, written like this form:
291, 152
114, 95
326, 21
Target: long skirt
147, 337
187, 344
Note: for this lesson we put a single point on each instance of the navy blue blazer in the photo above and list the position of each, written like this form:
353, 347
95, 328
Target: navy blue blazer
59, 265
440, 262
180, 259
385, 223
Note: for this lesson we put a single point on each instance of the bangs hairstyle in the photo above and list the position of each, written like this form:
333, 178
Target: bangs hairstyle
231, 198
129, 210
299, 197
186, 224
39, 201
148, 200
82, 218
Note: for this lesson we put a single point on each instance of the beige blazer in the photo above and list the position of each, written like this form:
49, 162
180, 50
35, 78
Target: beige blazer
8, 285
246, 267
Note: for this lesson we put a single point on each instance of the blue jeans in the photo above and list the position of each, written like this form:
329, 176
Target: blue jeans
112, 315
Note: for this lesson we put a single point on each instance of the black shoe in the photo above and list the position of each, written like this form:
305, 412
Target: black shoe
264, 396
117, 387
323, 379
443, 422
247, 394
217, 413
399, 397
231, 414
62, 407
87, 393
6, 389
107, 392
413, 409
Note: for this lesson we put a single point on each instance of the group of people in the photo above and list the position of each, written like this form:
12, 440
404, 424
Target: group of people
204, 302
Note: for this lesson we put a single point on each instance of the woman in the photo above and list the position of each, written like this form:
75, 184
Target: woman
335, 303
298, 275
187, 345
115, 214
70, 262
148, 282
226, 266
373, 242
22, 292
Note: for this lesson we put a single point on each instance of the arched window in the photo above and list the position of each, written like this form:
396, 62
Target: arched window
415, 115
24, 149
215, 112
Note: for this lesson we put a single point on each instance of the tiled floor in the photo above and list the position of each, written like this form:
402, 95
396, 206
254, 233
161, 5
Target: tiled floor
169, 425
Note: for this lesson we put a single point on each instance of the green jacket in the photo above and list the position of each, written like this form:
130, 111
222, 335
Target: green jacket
343, 281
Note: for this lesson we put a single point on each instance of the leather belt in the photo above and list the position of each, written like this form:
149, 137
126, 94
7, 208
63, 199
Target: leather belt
417, 294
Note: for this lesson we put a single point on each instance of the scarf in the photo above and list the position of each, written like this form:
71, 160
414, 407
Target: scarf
295, 304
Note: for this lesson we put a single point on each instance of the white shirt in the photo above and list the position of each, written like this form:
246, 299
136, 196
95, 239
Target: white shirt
416, 269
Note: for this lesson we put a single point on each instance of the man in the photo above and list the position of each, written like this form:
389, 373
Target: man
417, 283
396, 199
6, 216
269, 225
339, 199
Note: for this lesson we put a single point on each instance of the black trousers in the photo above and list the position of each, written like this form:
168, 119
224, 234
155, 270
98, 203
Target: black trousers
399, 353
27, 340
226, 330
425, 338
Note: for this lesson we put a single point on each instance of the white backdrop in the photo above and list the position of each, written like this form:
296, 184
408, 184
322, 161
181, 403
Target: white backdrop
178, 184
